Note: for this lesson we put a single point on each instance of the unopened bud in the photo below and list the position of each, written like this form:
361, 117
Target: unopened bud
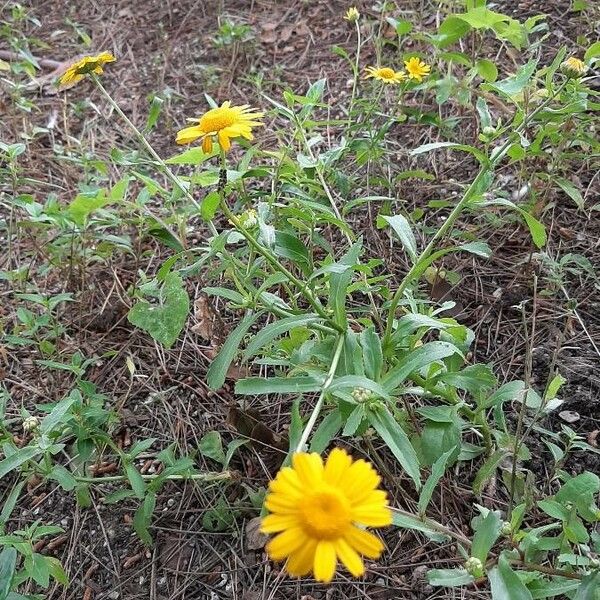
30, 424
573, 67
474, 567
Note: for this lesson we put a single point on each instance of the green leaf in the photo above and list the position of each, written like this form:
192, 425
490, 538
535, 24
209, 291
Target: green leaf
487, 70
138, 485
274, 330
328, 428
437, 471
438, 438
372, 352
217, 372
58, 412
557, 587
511, 86
154, 112
193, 156
86, 203
278, 385
401, 227
578, 486
478, 154
450, 31
8, 564
56, 570
537, 229
409, 522
10, 502
211, 446
64, 478
486, 534
592, 52
165, 319
487, 470
505, 583
209, 205
17, 458
289, 246
449, 577
394, 436
166, 237
415, 360
568, 188
589, 587
350, 382
37, 569
143, 518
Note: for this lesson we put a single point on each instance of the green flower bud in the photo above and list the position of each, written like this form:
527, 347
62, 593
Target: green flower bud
474, 567
573, 67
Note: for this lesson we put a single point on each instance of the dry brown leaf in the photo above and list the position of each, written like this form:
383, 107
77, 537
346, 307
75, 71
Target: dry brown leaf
255, 540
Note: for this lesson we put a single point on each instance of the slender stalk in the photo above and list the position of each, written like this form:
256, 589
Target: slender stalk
485, 169
207, 477
319, 405
356, 70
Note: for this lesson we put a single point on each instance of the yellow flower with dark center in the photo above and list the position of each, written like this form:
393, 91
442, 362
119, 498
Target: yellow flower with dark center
385, 74
352, 15
416, 69
88, 64
573, 67
225, 122
319, 511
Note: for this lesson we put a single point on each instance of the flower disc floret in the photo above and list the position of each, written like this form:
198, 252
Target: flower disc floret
319, 511
225, 122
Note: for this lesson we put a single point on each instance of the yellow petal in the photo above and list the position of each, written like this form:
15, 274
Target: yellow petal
372, 515
301, 562
366, 543
325, 561
359, 481
287, 482
336, 466
207, 144
309, 468
349, 557
224, 141
276, 523
189, 134
284, 544
281, 503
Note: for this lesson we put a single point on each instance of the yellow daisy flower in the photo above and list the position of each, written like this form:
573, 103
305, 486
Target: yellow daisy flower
226, 122
352, 15
318, 509
88, 64
385, 74
416, 69
573, 67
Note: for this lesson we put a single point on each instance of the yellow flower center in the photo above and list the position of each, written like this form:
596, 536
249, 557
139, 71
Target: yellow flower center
387, 73
325, 513
217, 119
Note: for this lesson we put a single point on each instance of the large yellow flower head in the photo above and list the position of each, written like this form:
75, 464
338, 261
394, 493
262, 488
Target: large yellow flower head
385, 74
225, 122
88, 64
318, 509
416, 69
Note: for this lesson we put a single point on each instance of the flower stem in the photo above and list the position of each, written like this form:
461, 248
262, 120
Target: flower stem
319, 405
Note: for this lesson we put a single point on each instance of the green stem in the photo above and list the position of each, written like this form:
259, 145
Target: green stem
319, 405
194, 476
485, 169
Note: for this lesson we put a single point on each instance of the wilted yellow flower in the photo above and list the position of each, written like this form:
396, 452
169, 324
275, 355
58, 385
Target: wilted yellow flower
318, 511
88, 64
573, 67
416, 69
226, 122
352, 15
385, 74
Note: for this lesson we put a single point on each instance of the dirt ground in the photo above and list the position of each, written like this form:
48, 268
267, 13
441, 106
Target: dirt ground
166, 45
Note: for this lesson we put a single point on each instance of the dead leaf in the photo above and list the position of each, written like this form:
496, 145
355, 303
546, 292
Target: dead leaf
255, 540
570, 416
209, 325
592, 438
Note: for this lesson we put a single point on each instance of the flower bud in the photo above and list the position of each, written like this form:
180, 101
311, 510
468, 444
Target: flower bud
573, 67
506, 529
352, 15
30, 424
474, 567
361, 394
488, 130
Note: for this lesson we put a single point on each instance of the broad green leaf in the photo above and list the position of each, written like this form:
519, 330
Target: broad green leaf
553, 387
557, 587
394, 436
511, 86
166, 237
277, 385
154, 112
508, 392
165, 319
338, 283
193, 156
449, 577
289, 246
58, 412
415, 360
232, 295
537, 229
17, 458
272, 331
211, 446
401, 226
56, 570
86, 203
568, 188
10, 502
64, 478
505, 583
589, 588
486, 534
217, 372
36, 567
592, 52
351, 382
135, 480
450, 31
487, 70
143, 518
209, 205
437, 471
473, 378
8, 565
438, 438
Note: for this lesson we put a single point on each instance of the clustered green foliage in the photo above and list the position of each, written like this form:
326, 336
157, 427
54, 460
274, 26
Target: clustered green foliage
362, 354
